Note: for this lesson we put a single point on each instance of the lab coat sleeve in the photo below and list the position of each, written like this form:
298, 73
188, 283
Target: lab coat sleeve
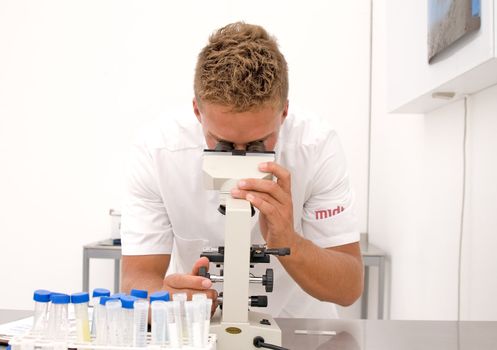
145, 225
328, 217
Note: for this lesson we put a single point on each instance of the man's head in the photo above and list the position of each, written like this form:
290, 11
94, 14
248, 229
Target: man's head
241, 86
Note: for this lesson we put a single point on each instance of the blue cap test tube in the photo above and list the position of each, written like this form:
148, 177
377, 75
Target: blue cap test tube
97, 293
128, 319
58, 321
114, 321
140, 323
101, 328
80, 302
142, 294
158, 301
42, 299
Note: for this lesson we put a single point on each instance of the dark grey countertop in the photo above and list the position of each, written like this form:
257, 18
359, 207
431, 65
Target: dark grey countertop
372, 334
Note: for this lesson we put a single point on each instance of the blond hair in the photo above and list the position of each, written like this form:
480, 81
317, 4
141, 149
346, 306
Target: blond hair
241, 67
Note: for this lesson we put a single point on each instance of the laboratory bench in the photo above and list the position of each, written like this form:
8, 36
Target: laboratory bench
313, 334
372, 257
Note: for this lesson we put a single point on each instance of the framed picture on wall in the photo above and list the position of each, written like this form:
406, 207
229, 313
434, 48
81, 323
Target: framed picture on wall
448, 21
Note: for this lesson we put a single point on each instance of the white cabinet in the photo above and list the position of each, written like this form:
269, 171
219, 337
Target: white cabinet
468, 66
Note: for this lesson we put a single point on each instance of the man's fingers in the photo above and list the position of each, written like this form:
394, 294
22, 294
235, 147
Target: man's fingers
266, 208
264, 186
282, 174
264, 196
203, 261
181, 281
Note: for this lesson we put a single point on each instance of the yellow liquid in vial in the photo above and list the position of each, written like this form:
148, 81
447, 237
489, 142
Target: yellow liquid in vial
83, 330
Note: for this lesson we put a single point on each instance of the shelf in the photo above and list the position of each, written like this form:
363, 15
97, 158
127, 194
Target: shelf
468, 66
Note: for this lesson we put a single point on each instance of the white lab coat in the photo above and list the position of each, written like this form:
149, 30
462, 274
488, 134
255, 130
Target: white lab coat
168, 211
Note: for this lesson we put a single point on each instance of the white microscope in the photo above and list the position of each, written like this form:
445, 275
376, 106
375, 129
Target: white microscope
236, 327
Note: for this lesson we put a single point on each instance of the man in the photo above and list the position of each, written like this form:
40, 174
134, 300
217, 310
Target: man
241, 96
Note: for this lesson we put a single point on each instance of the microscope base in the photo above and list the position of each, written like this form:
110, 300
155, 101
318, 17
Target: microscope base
231, 335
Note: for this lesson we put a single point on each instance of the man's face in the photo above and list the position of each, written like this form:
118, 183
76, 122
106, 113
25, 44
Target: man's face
219, 123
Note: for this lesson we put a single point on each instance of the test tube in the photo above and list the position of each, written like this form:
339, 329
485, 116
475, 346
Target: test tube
128, 321
114, 321
195, 318
80, 302
101, 321
42, 299
97, 293
160, 295
199, 296
207, 315
159, 327
207, 321
58, 321
182, 298
140, 323
138, 293
174, 325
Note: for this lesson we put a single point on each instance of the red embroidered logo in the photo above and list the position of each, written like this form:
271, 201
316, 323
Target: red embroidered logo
328, 213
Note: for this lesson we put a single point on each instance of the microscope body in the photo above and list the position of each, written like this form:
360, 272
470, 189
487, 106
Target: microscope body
236, 326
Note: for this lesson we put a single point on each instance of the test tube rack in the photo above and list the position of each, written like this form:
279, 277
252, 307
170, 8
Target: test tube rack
33, 342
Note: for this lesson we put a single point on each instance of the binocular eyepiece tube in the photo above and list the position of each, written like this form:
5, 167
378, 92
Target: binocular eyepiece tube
253, 147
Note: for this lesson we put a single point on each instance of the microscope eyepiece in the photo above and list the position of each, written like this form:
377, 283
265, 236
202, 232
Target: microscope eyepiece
256, 147
224, 146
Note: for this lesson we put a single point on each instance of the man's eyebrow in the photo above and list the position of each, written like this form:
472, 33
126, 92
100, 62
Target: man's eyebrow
221, 139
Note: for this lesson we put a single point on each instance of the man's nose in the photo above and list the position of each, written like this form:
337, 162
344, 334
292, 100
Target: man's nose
238, 146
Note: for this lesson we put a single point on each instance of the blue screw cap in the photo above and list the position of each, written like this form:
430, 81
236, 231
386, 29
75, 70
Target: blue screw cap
104, 299
143, 294
118, 295
160, 295
79, 298
100, 292
59, 298
128, 301
42, 295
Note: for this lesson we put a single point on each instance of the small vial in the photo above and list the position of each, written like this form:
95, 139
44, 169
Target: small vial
128, 319
140, 323
159, 332
114, 321
80, 302
159, 326
195, 318
174, 325
182, 298
101, 330
97, 293
138, 293
58, 321
199, 296
207, 321
160, 295
42, 299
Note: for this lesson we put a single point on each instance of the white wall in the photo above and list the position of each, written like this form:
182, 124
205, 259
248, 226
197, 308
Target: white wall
76, 80
415, 198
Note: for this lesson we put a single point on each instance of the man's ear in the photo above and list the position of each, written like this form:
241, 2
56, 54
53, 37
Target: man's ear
285, 112
196, 110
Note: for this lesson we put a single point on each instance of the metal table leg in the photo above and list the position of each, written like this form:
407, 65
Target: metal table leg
365, 294
86, 270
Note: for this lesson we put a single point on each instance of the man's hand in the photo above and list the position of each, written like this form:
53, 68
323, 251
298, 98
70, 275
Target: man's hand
191, 283
274, 201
